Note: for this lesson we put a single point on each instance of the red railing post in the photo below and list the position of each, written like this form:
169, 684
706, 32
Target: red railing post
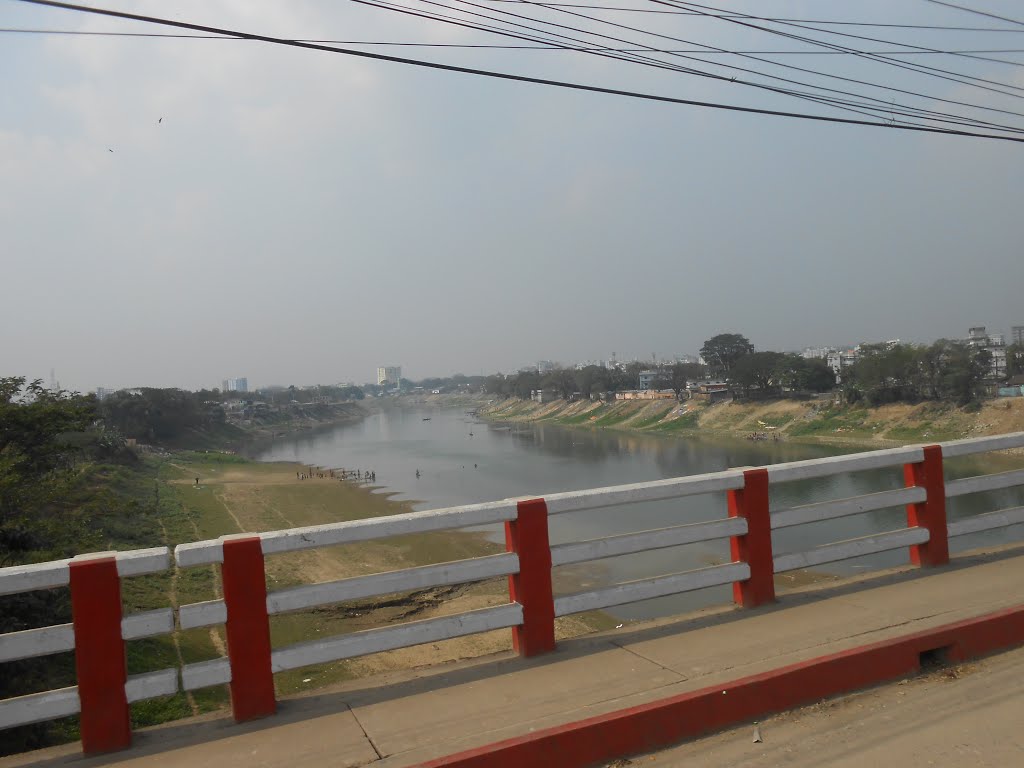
930, 513
248, 629
100, 663
527, 536
755, 548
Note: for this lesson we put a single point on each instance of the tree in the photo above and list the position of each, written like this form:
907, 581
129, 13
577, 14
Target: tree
799, 374
38, 453
524, 382
591, 379
722, 351
757, 370
1015, 359
886, 373
952, 370
562, 380
681, 374
493, 385
351, 392
53, 504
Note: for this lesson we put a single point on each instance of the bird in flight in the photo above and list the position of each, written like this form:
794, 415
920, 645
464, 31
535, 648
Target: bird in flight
160, 121
109, 150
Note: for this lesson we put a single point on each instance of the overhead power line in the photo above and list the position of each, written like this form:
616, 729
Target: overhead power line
511, 76
869, 106
495, 46
942, 27
942, 74
872, 103
975, 11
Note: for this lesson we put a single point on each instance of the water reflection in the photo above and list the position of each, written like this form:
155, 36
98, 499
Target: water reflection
436, 457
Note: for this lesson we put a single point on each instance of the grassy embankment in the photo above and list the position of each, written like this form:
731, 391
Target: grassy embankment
237, 495
812, 421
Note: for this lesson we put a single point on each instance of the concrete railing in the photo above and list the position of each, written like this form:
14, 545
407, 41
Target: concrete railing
96, 634
99, 629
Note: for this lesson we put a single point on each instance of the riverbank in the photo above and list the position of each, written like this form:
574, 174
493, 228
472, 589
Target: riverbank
792, 420
238, 495
254, 434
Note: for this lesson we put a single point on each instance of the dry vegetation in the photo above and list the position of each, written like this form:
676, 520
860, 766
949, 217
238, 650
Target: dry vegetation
816, 420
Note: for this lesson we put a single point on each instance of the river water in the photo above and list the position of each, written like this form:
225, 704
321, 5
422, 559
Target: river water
462, 460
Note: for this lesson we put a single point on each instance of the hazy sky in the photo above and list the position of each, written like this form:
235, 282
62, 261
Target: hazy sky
302, 217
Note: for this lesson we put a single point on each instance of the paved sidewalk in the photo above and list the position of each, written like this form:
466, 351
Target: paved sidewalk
403, 719
964, 715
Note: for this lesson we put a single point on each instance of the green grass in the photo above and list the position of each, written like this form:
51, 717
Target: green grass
777, 419
615, 415
921, 432
583, 417
209, 457
835, 422
652, 420
678, 424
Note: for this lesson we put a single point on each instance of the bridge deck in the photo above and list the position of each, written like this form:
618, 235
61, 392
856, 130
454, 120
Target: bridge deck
401, 720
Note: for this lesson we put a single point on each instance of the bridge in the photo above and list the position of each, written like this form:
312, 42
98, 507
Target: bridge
583, 702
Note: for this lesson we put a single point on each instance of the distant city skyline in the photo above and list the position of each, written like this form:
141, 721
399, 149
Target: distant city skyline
174, 211
242, 383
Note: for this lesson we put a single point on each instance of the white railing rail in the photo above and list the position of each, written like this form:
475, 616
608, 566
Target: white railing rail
94, 580
247, 604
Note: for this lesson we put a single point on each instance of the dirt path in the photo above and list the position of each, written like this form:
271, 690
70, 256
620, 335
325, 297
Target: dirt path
172, 596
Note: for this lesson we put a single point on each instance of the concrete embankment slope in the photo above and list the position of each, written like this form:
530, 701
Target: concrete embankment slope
805, 420
406, 719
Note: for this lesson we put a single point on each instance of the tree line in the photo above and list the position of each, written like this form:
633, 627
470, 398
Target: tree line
946, 370
950, 371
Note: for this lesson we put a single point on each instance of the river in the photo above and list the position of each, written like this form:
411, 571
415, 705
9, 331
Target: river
461, 460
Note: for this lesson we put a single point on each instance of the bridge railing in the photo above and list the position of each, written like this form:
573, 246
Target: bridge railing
532, 608
97, 635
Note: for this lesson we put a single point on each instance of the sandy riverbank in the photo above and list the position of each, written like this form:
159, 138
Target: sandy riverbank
792, 420
236, 495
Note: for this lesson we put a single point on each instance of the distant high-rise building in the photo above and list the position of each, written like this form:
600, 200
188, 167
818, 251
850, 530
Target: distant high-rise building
1017, 334
389, 374
235, 385
102, 393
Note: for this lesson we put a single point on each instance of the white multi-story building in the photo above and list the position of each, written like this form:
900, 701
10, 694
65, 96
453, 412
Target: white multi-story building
994, 343
235, 385
389, 374
648, 379
816, 353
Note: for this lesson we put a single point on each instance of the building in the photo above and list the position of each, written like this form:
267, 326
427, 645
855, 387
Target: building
646, 394
710, 391
977, 336
839, 359
102, 393
995, 345
1017, 334
235, 385
543, 395
389, 374
648, 378
817, 353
